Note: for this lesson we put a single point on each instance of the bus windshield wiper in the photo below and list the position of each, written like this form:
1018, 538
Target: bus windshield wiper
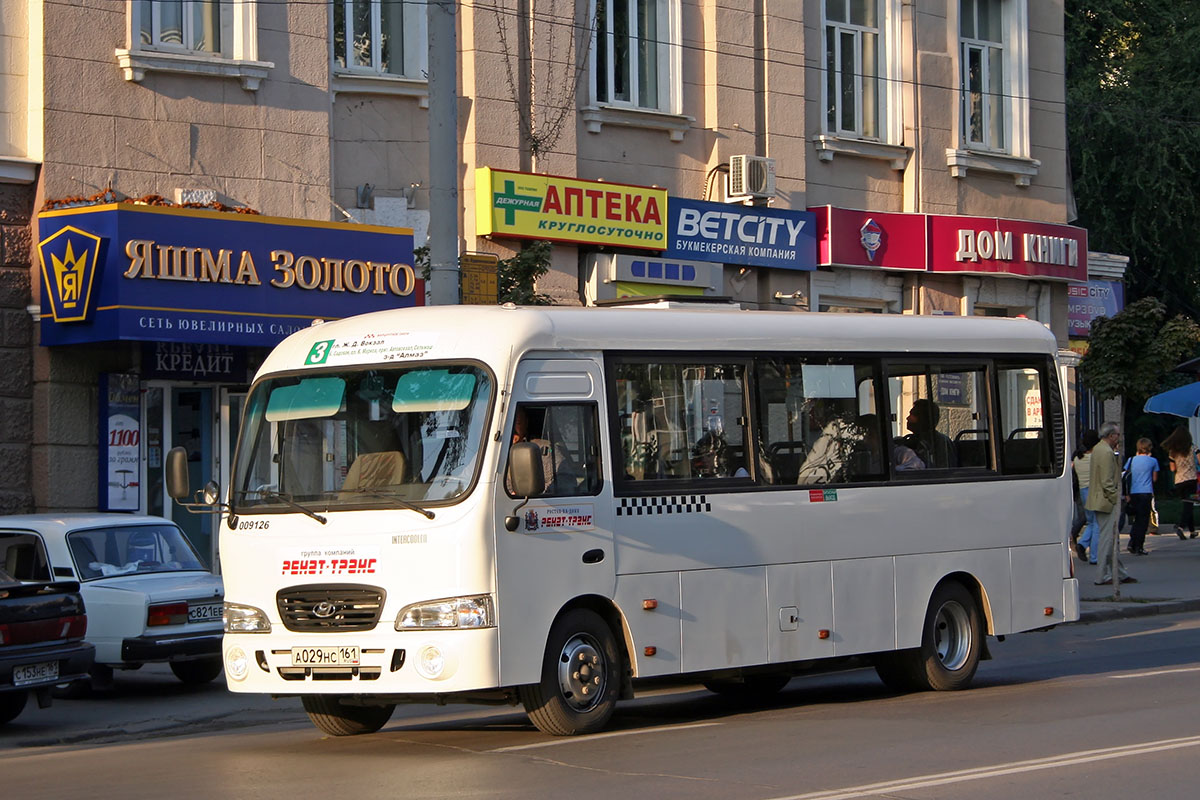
383, 493
271, 494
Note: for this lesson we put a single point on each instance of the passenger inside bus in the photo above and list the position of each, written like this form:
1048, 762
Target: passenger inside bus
932, 446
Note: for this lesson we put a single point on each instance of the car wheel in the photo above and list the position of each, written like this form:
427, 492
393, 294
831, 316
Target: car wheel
11, 704
581, 677
201, 670
332, 717
751, 689
951, 645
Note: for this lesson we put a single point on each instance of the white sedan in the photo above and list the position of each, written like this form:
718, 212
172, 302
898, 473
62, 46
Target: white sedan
148, 595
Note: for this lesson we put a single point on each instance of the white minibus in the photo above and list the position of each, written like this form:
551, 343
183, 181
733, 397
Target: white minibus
544, 505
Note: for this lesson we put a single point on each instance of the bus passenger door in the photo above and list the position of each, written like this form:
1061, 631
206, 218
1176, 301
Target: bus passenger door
562, 546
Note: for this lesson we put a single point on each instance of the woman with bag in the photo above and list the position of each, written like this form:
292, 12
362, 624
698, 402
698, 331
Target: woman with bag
1182, 453
1142, 470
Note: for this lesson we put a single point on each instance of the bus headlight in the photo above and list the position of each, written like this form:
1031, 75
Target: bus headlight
453, 612
236, 663
244, 619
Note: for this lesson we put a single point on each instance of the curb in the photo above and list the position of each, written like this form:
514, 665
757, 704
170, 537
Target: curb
1130, 610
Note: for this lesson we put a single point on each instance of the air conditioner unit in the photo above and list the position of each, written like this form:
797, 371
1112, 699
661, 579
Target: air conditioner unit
750, 177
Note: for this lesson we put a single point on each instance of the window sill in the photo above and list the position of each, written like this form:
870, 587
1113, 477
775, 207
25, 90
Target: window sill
1023, 170
15, 169
676, 125
827, 146
393, 86
136, 63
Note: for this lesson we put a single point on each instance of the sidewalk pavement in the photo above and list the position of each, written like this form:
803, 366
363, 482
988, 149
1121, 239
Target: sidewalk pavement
1168, 581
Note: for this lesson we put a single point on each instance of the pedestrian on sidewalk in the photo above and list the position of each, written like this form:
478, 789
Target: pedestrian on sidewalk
1143, 471
1089, 538
1182, 452
1105, 499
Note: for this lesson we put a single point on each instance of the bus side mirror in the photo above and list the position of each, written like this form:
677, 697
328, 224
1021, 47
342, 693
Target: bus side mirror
525, 470
525, 476
178, 481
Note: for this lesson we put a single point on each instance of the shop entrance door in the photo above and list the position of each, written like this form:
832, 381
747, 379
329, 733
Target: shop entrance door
190, 425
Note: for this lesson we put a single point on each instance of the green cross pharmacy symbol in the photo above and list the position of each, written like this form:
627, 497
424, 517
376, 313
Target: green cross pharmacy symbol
510, 202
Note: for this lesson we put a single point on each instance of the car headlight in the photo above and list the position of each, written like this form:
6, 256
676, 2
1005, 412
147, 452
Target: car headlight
453, 612
244, 619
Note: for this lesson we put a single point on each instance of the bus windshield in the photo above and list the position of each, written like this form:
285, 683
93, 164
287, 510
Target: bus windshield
404, 436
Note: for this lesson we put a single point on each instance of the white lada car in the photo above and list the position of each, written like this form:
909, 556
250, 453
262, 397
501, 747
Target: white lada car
149, 598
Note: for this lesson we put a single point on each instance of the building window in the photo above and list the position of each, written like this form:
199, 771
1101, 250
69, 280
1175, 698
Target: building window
194, 37
633, 54
380, 37
856, 67
983, 73
199, 26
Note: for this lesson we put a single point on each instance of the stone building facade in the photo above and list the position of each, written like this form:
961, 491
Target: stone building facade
946, 115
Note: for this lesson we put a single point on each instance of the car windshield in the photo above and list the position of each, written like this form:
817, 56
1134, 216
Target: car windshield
388, 437
128, 549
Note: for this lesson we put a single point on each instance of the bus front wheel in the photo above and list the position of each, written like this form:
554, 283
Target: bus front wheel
335, 719
581, 677
951, 644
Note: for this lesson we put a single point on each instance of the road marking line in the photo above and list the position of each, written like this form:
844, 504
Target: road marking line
996, 770
1156, 672
595, 736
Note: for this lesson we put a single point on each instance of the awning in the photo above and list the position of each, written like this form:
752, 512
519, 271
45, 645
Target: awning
1182, 402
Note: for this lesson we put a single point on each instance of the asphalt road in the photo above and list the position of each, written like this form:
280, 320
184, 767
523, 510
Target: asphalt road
1110, 710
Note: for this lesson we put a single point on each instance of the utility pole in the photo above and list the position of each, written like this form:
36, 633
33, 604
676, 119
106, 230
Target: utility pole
443, 151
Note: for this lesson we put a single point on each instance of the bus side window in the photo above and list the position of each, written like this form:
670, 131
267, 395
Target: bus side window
567, 434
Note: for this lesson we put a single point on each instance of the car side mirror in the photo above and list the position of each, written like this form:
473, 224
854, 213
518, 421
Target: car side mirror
178, 480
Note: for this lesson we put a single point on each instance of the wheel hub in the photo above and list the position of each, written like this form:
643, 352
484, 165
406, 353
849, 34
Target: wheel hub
952, 635
582, 672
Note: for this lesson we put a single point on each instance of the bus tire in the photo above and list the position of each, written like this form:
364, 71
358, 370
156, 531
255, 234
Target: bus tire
198, 671
951, 645
752, 689
581, 677
335, 719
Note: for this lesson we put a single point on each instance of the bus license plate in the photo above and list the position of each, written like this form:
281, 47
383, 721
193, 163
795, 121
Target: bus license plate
35, 673
325, 657
205, 612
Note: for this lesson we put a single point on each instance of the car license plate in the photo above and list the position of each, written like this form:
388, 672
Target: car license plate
204, 612
35, 673
325, 657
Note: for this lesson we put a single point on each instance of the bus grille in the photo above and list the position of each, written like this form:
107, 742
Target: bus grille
317, 608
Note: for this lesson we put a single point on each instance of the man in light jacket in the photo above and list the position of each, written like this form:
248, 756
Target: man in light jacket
1104, 487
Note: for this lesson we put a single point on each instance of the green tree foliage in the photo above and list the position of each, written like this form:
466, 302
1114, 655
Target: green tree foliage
1131, 354
516, 278
1134, 136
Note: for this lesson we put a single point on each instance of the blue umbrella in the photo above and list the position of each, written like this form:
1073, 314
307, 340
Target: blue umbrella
1182, 402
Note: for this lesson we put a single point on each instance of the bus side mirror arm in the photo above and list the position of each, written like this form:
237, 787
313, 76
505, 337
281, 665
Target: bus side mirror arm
205, 501
526, 477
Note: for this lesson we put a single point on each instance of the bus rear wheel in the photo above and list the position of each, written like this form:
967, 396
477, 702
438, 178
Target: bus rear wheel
335, 719
581, 677
951, 645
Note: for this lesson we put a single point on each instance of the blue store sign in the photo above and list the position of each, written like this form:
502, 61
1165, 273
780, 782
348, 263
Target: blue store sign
145, 273
733, 234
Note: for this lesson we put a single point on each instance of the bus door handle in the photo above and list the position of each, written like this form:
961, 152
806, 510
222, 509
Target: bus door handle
593, 556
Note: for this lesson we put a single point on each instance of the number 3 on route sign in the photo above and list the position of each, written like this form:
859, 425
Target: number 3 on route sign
319, 352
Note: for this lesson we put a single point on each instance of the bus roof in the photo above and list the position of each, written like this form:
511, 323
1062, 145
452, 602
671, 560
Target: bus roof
493, 334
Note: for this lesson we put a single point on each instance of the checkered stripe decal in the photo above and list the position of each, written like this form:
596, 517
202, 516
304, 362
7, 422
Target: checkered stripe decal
670, 504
